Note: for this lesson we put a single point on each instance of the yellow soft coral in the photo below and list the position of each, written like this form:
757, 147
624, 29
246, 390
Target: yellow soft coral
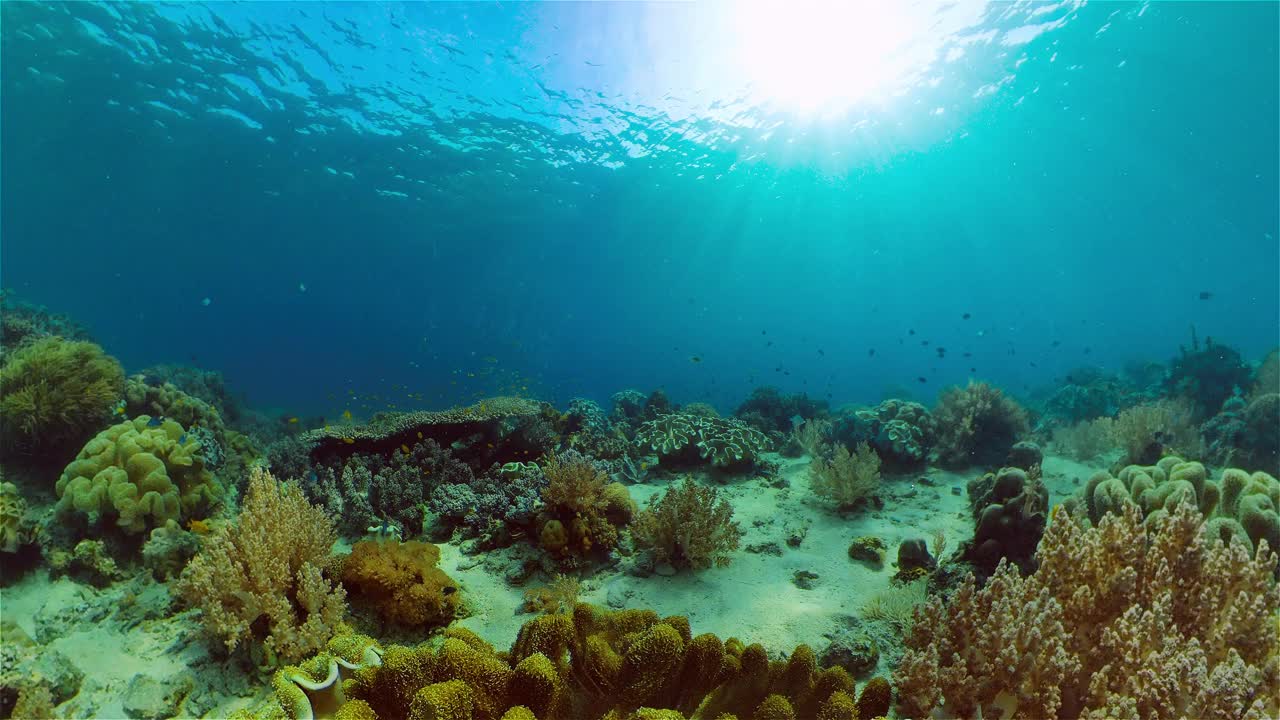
142, 472
401, 581
261, 579
1125, 619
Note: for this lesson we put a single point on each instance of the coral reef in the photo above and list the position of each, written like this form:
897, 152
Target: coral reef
583, 511
88, 562
684, 440
1238, 505
1207, 376
977, 425
168, 402
479, 434
260, 581
1150, 431
1245, 434
771, 412
1009, 509
1266, 379
16, 529
168, 549
868, 549
901, 432
690, 526
401, 581
1121, 620
141, 472
557, 596
54, 394
1086, 440
846, 478
23, 322
589, 664
495, 503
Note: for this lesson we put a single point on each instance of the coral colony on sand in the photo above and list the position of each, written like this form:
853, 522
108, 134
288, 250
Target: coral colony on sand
359, 570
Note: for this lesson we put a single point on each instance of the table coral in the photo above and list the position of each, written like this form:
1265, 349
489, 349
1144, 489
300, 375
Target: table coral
1121, 620
260, 580
143, 473
402, 582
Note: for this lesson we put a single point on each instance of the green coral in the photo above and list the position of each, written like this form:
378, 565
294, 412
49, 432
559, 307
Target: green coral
54, 393
142, 473
683, 438
1238, 505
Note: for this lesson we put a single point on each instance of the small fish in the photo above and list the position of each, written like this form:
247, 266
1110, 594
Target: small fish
312, 477
695, 359
1206, 295
119, 409
349, 441
764, 332
1055, 343
769, 344
973, 370
302, 287
820, 352
911, 332
965, 316
346, 414
1088, 350
942, 352
871, 352
404, 448
182, 440
419, 434
205, 302
155, 421
293, 421
1034, 365
968, 354
922, 379
924, 343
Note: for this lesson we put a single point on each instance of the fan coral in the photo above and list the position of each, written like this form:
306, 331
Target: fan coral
588, 663
54, 394
901, 432
584, 511
690, 526
261, 579
143, 472
683, 440
847, 477
401, 581
1009, 514
977, 425
1121, 620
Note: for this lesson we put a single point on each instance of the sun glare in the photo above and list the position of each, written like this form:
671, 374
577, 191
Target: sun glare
817, 58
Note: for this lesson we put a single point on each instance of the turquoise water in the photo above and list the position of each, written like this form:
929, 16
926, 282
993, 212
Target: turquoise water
327, 200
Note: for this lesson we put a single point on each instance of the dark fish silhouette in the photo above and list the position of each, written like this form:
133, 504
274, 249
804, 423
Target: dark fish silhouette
911, 332
1056, 343
1088, 350
821, 353
924, 343
871, 352
965, 316
922, 379
1206, 295
968, 354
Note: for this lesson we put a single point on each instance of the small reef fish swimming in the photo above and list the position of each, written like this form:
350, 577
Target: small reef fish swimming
155, 421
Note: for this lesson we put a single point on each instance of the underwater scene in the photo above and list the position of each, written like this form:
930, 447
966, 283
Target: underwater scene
726, 360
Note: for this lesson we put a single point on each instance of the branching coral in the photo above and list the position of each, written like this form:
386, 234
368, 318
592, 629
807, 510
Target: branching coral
690, 526
55, 393
261, 580
682, 439
1122, 620
583, 509
977, 425
142, 472
589, 664
401, 581
847, 477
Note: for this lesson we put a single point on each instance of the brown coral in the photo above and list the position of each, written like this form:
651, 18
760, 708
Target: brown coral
261, 580
691, 526
584, 511
847, 477
1149, 431
977, 425
1122, 620
401, 581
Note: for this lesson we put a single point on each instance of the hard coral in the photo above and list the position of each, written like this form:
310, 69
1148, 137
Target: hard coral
143, 473
977, 425
690, 526
54, 394
261, 580
1122, 620
401, 581
847, 477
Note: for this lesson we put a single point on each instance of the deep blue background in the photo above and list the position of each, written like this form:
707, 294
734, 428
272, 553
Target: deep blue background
1085, 202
